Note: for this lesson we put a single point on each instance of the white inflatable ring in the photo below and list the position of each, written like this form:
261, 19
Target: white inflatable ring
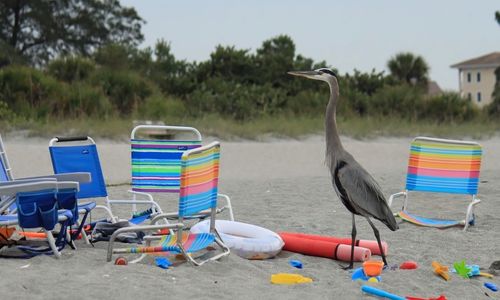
246, 240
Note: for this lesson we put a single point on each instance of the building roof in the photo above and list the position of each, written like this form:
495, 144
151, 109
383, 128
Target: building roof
433, 88
488, 60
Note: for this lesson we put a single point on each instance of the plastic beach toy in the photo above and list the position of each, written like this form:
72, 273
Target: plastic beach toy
441, 297
373, 267
162, 262
121, 261
359, 274
296, 263
491, 286
441, 270
245, 240
367, 244
322, 247
408, 265
462, 269
287, 278
380, 293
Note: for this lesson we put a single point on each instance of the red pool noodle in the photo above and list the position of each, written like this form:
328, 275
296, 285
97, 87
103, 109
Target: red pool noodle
324, 248
369, 244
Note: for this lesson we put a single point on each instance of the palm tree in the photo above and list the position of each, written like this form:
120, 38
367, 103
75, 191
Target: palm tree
410, 68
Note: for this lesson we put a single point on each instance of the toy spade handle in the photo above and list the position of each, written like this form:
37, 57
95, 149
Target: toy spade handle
381, 293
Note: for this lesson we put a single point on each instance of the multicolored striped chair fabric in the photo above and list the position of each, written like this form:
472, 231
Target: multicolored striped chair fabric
421, 221
191, 243
198, 182
444, 166
156, 164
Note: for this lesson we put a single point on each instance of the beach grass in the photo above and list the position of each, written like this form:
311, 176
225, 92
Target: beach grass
262, 128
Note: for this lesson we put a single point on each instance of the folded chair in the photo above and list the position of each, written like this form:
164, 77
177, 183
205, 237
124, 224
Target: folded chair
79, 154
198, 193
442, 166
156, 163
6, 175
39, 205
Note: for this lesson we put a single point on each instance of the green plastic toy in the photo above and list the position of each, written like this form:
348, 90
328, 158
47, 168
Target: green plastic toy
462, 269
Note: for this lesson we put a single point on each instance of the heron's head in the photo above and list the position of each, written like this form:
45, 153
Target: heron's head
323, 74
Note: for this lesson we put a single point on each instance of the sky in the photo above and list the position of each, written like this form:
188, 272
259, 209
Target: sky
348, 35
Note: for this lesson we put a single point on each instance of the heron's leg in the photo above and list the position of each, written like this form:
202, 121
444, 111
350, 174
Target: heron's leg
377, 236
353, 242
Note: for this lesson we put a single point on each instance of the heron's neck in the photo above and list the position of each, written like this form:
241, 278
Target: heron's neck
333, 145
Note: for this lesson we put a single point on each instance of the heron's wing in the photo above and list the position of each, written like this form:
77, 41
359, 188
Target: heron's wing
364, 193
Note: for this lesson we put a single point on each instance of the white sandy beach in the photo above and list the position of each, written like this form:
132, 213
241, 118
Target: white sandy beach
282, 185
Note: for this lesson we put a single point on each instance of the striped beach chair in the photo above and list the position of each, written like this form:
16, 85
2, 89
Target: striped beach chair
442, 166
199, 175
156, 162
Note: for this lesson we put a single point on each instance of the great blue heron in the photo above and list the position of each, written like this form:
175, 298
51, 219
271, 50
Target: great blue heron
357, 189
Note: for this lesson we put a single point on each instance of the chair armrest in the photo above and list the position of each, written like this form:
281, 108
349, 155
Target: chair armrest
12, 188
397, 195
81, 177
14, 182
146, 195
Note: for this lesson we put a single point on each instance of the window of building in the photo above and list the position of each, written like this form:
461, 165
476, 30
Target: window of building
478, 76
479, 97
468, 77
469, 96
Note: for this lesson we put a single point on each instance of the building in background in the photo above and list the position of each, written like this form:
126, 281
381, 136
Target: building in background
477, 78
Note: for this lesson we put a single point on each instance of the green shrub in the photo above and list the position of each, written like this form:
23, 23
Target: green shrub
6, 114
159, 107
308, 103
237, 101
397, 101
126, 90
71, 68
31, 93
85, 100
448, 107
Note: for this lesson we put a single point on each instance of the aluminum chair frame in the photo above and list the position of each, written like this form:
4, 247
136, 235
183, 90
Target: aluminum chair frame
179, 226
197, 134
11, 189
474, 198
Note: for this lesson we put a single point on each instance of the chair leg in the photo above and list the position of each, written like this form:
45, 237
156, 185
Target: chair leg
52, 244
470, 212
229, 206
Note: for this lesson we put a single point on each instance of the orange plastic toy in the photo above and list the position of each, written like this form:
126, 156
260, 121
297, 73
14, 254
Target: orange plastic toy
373, 267
441, 270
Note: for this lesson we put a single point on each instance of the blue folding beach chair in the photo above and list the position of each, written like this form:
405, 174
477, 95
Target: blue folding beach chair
9, 207
39, 205
79, 154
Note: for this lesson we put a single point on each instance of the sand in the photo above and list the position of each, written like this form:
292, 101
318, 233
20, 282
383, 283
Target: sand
282, 185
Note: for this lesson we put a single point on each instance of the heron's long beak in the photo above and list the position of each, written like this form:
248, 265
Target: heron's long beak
306, 74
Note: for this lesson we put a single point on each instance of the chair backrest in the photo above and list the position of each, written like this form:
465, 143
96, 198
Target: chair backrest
199, 179
5, 171
68, 158
156, 163
448, 166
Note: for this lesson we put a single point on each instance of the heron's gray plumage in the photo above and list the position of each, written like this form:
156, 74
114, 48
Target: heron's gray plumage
364, 194
356, 188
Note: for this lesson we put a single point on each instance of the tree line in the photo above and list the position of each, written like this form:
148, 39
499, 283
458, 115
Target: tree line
80, 59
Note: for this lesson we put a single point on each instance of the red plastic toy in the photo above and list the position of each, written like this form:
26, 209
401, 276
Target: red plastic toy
408, 265
442, 297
